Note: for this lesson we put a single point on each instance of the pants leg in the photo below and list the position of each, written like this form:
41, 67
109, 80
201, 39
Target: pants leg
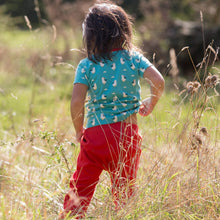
124, 170
82, 183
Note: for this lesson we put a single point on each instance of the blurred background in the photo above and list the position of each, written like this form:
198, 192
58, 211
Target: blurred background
160, 25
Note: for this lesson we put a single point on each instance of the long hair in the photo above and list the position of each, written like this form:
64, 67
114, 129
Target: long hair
106, 26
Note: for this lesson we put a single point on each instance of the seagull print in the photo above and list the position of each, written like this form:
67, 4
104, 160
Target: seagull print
94, 86
93, 122
93, 70
142, 70
115, 83
102, 116
114, 108
115, 118
132, 66
104, 80
125, 94
102, 64
122, 61
104, 96
123, 78
115, 98
134, 82
113, 66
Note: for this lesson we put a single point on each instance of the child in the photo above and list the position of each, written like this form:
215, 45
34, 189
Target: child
110, 75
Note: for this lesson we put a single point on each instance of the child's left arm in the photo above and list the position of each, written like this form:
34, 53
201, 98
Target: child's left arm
156, 81
77, 108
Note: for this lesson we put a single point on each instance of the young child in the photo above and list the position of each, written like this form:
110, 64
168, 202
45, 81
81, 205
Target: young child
110, 75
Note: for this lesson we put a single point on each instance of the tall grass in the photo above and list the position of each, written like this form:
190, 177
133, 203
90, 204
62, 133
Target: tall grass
179, 171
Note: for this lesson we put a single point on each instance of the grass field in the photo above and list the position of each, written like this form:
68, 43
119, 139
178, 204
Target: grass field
179, 174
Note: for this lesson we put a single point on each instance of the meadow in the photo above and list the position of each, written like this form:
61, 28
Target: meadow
179, 174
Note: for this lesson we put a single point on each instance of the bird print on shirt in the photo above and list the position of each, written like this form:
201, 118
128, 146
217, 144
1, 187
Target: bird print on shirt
135, 98
114, 108
102, 64
115, 98
115, 83
93, 122
113, 66
122, 61
104, 97
123, 78
134, 82
142, 70
102, 116
124, 94
93, 70
95, 86
104, 80
132, 66
115, 118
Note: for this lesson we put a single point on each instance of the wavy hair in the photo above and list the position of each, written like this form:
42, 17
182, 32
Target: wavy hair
106, 27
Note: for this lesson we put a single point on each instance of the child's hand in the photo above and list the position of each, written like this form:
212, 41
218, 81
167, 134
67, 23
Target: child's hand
79, 134
146, 107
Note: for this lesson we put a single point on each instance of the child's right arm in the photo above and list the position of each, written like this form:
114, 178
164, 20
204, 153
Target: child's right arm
156, 81
77, 108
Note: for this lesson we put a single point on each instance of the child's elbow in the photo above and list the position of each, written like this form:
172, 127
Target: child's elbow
161, 84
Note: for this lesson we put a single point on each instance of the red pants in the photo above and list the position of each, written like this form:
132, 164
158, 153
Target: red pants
114, 148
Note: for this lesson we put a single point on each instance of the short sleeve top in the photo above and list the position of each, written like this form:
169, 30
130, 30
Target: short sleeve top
113, 86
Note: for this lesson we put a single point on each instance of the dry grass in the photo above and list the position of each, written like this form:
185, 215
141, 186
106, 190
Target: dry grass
179, 172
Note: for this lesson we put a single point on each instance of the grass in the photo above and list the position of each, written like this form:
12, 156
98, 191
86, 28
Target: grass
179, 171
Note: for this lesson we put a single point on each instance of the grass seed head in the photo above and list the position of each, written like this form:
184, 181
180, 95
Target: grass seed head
196, 141
192, 87
211, 81
203, 131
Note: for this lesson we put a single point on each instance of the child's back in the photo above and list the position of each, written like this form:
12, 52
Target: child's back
113, 86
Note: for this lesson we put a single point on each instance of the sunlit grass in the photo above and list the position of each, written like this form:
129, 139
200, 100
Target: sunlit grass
38, 151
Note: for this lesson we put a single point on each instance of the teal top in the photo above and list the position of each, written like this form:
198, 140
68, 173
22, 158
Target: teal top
113, 86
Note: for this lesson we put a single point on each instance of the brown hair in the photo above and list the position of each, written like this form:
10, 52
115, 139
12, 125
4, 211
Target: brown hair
106, 26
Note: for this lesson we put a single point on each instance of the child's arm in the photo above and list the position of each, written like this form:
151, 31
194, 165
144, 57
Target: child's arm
156, 81
77, 108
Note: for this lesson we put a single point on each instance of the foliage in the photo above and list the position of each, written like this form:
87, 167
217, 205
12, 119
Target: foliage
17, 9
36, 10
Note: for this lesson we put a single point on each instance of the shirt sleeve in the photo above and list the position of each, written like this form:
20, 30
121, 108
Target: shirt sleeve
143, 65
81, 75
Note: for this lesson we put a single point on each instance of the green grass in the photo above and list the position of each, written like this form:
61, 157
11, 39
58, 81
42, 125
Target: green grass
38, 151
